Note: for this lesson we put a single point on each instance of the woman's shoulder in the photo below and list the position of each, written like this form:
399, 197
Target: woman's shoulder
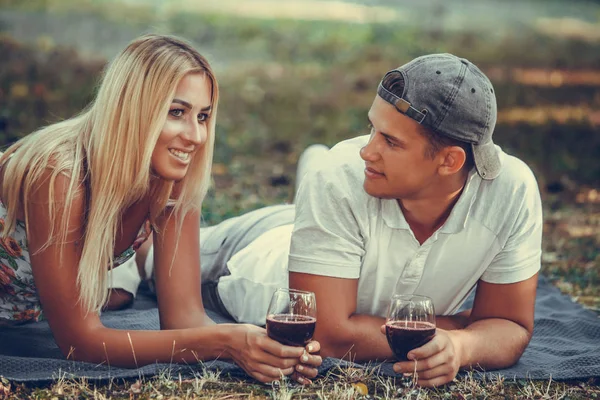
58, 187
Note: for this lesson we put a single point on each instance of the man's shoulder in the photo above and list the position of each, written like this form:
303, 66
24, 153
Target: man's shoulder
500, 201
516, 176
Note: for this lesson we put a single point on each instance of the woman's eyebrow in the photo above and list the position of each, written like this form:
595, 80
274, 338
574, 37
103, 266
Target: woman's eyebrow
183, 103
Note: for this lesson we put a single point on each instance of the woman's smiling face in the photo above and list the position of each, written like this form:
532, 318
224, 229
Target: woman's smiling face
186, 129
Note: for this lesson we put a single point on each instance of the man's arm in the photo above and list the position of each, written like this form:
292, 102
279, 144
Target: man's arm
500, 325
345, 334
341, 332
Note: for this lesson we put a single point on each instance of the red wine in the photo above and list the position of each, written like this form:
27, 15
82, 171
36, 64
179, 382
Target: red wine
403, 336
292, 330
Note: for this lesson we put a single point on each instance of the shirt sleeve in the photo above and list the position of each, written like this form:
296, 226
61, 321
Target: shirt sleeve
520, 258
327, 239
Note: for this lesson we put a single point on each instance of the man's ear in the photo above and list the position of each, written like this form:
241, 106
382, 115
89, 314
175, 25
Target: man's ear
452, 160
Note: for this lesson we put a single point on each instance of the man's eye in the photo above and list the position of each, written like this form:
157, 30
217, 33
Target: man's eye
177, 112
389, 142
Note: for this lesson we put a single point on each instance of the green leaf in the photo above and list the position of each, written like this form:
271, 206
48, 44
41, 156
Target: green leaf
12, 263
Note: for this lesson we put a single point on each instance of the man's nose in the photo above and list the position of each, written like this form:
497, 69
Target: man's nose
370, 152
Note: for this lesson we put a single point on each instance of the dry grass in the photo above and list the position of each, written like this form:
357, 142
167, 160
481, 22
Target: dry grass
339, 384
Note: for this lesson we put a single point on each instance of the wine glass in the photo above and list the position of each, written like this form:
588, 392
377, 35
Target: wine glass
410, 323
292, 317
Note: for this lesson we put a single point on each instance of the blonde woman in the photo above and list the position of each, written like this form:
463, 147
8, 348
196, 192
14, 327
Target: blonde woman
76, 197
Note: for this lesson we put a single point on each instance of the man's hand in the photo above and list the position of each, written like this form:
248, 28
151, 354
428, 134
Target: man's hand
435, 363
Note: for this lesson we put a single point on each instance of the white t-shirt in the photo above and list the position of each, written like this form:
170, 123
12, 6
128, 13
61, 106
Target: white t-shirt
493, 233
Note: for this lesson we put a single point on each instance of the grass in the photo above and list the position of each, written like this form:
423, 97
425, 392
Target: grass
287, 83
339, 383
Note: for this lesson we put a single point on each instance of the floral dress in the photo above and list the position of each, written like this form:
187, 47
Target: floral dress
19, 300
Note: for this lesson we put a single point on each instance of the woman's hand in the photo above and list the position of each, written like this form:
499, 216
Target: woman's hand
309, 362
260, 356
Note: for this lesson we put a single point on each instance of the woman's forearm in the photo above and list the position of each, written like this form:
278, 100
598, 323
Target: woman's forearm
133, 348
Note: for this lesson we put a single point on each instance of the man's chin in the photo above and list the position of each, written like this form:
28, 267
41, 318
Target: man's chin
371, 191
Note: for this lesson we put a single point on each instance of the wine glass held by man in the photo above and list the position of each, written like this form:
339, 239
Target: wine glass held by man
77, 195
410, 324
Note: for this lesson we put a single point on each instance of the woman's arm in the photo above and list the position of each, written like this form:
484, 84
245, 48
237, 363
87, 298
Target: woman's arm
178, 287
177, 272
80, 335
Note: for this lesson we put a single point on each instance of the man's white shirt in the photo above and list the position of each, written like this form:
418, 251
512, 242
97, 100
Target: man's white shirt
493, 233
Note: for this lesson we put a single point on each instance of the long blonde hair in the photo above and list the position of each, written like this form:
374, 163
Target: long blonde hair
108, 150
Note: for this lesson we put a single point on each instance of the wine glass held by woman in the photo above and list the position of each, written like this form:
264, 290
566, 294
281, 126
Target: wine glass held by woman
76, 195
292, 317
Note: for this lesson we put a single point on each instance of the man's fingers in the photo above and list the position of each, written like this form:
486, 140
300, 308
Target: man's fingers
435, 382
421, 365
382, 329
440, 370
434, 346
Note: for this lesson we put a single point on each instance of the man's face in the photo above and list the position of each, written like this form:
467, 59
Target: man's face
395, 162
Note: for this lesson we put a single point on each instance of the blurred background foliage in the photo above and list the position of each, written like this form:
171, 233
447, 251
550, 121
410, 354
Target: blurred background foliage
296, 72
299, 72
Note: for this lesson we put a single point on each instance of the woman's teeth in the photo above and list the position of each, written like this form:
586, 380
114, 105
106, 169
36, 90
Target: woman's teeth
182, 155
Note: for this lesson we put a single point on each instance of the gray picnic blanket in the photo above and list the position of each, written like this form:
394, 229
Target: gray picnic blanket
565, 345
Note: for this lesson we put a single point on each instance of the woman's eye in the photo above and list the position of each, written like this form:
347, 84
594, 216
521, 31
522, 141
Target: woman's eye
202, 117
177, 112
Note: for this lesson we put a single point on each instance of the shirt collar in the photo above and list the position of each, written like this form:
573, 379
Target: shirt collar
394, 218
459, 215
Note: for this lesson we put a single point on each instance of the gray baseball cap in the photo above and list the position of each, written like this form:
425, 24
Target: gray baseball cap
452, 97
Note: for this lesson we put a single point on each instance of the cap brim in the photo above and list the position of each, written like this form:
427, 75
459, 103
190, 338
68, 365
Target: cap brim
487, 160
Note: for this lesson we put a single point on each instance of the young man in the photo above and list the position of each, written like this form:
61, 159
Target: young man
426, 222
426, 204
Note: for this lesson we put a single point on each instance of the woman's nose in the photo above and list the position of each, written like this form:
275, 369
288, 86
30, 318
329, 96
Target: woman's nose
196, 133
